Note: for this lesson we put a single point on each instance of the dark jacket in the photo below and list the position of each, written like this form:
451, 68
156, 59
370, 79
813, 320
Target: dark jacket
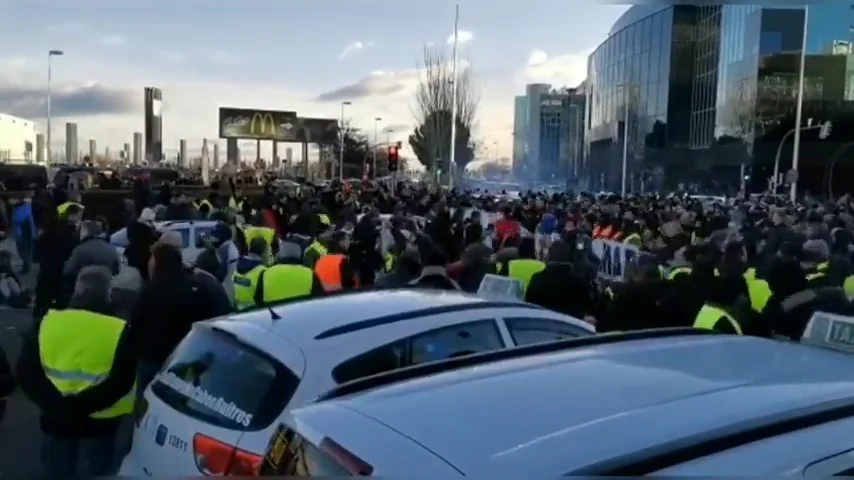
558, 287
212, 289
435, 277
635, 307
54, 247
68, 416
7, 382
166, 308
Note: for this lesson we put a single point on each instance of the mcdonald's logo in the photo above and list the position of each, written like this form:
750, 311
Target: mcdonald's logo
262, 125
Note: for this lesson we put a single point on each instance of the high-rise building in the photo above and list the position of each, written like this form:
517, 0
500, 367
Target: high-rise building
704, 94
520, 134
547, 133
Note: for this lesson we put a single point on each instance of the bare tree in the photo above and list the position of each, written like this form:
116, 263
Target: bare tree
432, 110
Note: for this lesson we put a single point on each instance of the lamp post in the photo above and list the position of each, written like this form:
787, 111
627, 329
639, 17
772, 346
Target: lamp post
50, 55
800, 108
341, 153
376, 144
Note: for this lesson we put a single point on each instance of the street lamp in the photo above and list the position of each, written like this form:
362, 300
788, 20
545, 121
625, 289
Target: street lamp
341, 153
50, 55
799, 108
376, 144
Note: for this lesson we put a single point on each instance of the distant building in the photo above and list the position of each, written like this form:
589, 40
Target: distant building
17, 138
548, 133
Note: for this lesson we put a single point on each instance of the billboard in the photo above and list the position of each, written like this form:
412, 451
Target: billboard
153, 124
253, 124
322, 131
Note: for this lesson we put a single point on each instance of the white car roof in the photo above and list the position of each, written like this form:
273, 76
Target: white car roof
551, 413
336, 314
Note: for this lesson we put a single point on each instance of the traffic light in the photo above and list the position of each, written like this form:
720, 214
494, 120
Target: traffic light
393, 157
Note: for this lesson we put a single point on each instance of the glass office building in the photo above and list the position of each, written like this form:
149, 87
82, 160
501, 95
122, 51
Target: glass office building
709, 93
641, 76
757, 89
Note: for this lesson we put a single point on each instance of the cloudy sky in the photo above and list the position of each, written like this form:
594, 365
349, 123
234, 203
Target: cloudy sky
302, 55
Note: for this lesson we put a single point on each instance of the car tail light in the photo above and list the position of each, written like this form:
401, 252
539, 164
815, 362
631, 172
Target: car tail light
346, 459
214, 457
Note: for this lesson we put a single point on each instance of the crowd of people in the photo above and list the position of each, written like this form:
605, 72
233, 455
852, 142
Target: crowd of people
105, 321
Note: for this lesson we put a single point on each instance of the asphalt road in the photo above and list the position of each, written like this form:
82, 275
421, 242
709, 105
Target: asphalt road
20, 436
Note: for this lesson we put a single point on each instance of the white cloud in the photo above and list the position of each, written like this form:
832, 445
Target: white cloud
561, 70
114, 40
463, 37
353, 48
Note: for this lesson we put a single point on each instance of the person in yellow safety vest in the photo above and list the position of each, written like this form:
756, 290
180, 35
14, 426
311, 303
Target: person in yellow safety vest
633, 239
758, 290
62, 210
246, 276
268, 235
287, 279
723, 305
316, 249
204, 207
524, 267
78, 366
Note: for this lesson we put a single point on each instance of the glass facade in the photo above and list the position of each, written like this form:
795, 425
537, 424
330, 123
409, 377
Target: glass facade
641, 76
758, 89
707, 91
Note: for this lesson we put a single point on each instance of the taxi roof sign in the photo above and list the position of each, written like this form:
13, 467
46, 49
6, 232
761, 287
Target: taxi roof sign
498, 287
830, 330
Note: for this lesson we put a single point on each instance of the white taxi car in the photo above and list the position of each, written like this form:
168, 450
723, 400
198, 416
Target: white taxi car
672, 402
226, 387
193, 233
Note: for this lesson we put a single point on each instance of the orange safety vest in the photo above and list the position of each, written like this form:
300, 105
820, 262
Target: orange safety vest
597, 230
606, 232
617, 236
328, 270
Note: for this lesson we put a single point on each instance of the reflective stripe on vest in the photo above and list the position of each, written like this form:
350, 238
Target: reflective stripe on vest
676, 271
633, 239
245, 285
285, 282
328, 269
523, 269
709, 316
77, 349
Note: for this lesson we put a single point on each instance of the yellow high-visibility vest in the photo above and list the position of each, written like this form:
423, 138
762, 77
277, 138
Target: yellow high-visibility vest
285, 282
60, 210
523, 269
709, 316
245, 285
77, 348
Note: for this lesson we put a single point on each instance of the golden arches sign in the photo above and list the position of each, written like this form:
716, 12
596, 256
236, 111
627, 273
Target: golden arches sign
262, 125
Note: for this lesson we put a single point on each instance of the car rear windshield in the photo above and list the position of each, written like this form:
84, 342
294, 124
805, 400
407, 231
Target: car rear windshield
214, 377
290, 455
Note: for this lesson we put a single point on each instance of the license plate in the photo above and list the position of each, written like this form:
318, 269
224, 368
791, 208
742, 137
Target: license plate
277, 450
